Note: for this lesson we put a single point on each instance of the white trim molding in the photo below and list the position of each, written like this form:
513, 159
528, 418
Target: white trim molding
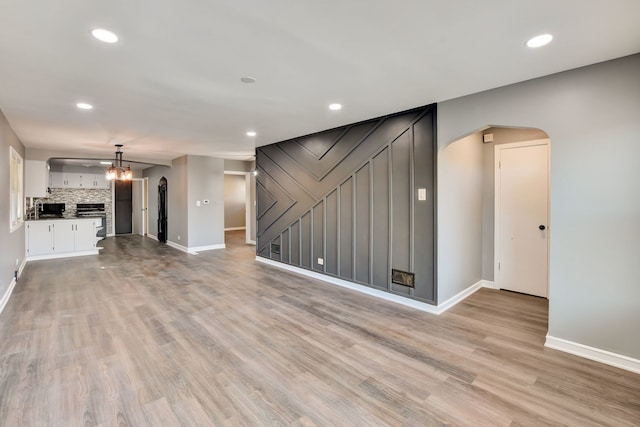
251, 242
193, 250
177, 246
235, 228
7, 294
196, 249
418, 305
152, 237
593, 353
95, 251
24, 263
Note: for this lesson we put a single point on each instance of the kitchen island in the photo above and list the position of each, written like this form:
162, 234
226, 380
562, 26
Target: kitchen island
61, 238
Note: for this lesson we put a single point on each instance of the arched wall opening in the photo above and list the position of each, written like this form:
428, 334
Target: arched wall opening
466, 199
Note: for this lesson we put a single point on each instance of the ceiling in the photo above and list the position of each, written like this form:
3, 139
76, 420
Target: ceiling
171, 84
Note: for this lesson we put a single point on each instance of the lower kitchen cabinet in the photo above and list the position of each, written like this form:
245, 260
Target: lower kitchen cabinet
57, 238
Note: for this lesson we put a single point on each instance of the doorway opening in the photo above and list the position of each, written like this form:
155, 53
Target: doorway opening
162, 210
239, 204
123, 207
469, 224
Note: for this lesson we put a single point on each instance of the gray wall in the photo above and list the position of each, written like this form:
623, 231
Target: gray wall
460, 229
235, 201
500, 136
154, 174
191, 178
349, 196
11, 244
205, 181
592, 116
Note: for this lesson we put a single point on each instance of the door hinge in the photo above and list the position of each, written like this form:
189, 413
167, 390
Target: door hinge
498, 266
499, 165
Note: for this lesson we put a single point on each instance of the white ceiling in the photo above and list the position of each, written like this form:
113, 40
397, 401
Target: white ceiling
171, 85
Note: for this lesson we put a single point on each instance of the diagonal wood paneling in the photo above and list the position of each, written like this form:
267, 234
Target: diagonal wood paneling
349, 196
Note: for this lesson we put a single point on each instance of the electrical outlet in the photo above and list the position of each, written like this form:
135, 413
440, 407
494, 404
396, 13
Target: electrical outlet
320, 261
178, 237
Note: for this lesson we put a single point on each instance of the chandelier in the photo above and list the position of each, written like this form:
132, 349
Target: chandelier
116, 170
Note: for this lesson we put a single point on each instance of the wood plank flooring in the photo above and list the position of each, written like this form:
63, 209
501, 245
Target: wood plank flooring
145, 335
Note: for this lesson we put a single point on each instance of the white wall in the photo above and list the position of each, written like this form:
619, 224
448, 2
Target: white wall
459, 215
592, 117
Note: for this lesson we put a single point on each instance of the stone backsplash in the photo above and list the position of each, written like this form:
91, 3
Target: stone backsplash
71, 196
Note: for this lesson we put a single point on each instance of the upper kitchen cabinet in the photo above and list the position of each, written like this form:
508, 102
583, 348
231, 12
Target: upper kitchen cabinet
36, 178
78, 180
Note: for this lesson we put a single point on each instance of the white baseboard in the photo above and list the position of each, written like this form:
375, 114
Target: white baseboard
153, 237
177, 246
418, 305
110, 235
95, 251
196, 249
24, 262
489, 284
251, 242
7, 294
465, 293
235, 228
593, 353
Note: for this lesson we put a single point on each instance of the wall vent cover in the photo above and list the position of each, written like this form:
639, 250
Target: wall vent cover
400, 277
275, 249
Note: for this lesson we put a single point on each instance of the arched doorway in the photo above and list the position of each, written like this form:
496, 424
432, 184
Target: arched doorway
162, 210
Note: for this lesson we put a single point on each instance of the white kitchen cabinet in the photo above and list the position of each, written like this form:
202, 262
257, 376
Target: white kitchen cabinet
85, 235
61, 238
78, 180
39, 238
65, 180
102, 181
56, 180
36, 178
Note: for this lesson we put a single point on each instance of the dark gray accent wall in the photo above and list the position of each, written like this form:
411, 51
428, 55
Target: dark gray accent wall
344, 202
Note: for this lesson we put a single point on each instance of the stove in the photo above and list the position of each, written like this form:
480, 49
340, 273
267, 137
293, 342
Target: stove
90, 210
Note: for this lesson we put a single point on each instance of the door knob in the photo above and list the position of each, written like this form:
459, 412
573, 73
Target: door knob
541, 227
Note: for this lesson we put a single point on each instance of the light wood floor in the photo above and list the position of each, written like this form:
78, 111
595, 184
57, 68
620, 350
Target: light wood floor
146, 335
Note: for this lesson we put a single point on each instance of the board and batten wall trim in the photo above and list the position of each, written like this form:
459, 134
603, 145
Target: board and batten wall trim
344, 202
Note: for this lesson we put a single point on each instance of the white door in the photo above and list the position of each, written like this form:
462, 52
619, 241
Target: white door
139, 206
85, 235
63, 236
522, 211
136, 206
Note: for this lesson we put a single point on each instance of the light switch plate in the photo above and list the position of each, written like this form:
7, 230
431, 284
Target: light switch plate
422, 194
320, 261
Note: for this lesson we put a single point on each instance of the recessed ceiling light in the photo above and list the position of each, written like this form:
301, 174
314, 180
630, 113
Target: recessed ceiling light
104, 35
248, 79
251, 133
105, 163
539, 41
84, 106
335, 107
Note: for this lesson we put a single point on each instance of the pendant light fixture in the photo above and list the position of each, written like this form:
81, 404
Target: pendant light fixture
116, 171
